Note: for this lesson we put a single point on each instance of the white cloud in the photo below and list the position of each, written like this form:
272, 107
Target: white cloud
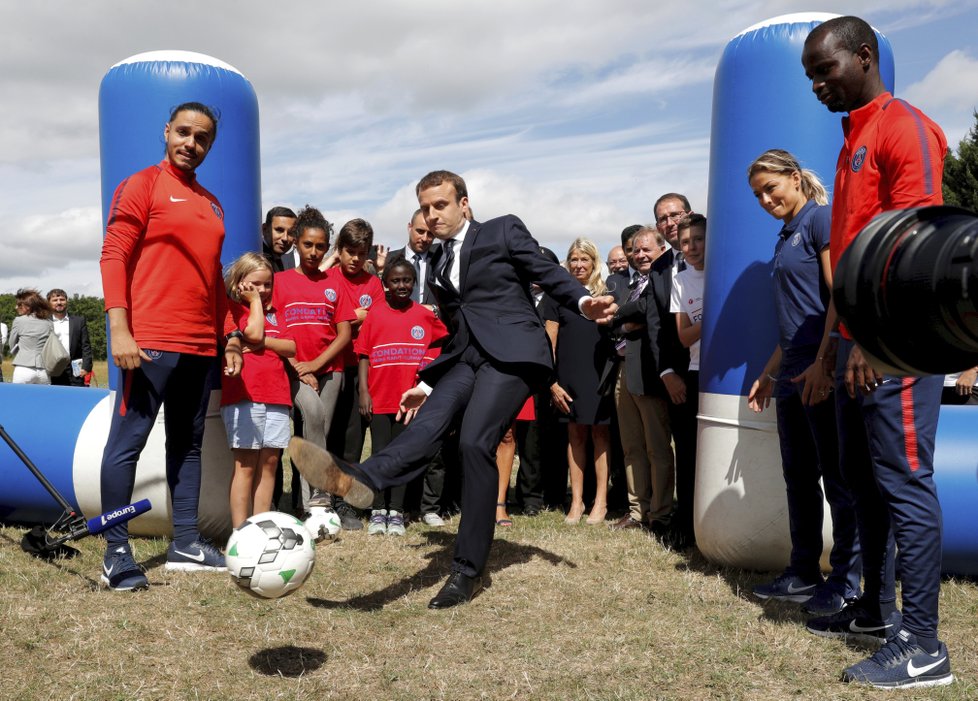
952, 83
565, 112
949, 94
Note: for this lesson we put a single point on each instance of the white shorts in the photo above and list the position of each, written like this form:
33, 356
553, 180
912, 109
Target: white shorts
253, 425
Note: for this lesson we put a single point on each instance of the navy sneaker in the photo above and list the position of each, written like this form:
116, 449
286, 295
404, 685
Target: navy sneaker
826, 600
199, 556
855, 623
902, 664
787, 587
120, 572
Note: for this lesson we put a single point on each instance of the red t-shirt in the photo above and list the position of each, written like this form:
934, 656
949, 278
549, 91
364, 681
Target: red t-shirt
395, 341
363, 290
311, 308
263, 377
161, 261
892, 157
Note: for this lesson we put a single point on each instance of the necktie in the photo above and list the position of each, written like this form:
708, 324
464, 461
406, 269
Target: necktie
643, 280
640, 284
418, 282
681, 265
445, 273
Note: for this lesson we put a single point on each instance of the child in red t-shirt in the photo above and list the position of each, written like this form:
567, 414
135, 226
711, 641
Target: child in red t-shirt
317, 315
255, 404
392, 343
348, 428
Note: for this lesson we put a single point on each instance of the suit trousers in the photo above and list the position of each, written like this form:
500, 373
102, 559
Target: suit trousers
489, 397
650, 467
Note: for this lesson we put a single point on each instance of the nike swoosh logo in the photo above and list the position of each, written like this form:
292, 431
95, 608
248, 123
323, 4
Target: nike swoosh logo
199, 557
792, 590
917, 671
108, 570
856, 628
176, 199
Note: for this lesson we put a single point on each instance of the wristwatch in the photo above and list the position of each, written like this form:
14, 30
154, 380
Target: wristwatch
234, 334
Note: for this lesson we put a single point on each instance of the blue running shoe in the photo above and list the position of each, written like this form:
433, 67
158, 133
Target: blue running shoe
902, 664
120, 572
826, 600
199, 556
855, 623
787, 587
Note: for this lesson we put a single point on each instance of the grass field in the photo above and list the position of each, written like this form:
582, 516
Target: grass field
571, 613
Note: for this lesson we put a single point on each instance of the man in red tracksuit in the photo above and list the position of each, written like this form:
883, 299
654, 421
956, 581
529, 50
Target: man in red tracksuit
164, 295
892, 158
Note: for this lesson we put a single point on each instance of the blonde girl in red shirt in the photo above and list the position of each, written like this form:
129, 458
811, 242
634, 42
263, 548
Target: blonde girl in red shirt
255, 405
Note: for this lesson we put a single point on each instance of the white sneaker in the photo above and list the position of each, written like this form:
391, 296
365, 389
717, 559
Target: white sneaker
433, 519
378, 522
395, 523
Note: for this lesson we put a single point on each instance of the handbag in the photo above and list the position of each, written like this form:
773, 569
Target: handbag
54, 356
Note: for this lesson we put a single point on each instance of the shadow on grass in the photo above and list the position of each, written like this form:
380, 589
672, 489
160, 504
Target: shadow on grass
742, 583
60, 563
505, 554
287, 661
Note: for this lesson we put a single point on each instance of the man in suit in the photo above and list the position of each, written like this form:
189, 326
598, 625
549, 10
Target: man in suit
73, 334
481, 275
417, 252
278, 245
669, 210
672, 363
641, 399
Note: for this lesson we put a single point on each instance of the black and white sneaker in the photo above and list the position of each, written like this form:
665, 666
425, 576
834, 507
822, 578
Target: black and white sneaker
855, 623
787, 587
902, 664
349, 517
199, 556
120, 571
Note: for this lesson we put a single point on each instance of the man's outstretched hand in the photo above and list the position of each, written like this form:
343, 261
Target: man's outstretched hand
600, 309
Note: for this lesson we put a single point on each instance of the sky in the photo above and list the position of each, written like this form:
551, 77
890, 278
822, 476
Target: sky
573, 114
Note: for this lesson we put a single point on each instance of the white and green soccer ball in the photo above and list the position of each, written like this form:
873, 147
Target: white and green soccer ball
323, 523
271, 554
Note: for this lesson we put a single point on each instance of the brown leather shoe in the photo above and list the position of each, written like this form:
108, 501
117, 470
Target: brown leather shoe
624, 523
324, 472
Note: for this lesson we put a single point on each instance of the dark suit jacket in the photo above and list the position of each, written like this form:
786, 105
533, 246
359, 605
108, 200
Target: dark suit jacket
79, 346
656, 348
498, 261
427, 297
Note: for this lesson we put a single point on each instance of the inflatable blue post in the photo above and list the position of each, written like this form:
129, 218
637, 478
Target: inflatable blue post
63, 429
761, 100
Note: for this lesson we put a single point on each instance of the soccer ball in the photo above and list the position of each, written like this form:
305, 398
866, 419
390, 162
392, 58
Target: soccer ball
271, 554
322, 523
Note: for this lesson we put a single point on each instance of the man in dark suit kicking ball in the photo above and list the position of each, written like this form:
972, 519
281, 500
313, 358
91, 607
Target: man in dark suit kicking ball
498, 352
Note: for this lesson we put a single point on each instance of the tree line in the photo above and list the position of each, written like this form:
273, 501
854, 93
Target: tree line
92, 308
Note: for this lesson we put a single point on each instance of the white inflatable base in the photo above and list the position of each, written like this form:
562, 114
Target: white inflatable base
740, 508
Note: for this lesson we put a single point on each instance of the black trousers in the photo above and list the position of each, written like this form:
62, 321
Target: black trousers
488, 396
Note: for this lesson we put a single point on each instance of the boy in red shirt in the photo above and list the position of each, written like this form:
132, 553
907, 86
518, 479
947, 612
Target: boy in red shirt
347, 431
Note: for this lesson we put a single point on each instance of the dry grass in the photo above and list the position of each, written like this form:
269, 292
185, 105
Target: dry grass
571, 613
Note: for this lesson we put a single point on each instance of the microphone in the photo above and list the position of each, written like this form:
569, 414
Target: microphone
105, 521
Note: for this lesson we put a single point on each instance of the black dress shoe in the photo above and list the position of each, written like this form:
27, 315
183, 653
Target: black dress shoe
531, 510
458, 589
